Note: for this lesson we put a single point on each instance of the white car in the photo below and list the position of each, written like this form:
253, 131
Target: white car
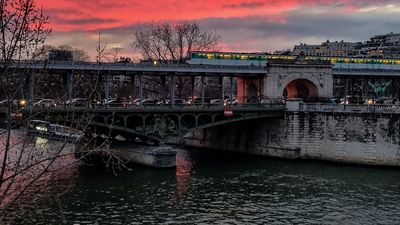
45, 103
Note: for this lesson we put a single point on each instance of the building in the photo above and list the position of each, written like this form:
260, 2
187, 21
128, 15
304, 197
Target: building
382, 46
379, 46
336, 49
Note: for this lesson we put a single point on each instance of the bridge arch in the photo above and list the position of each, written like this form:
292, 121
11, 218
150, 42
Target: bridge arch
301, 88
252, 93
188, 120
119, 120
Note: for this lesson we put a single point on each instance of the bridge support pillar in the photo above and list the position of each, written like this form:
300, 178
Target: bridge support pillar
231, 94
192, 82
172, 90
221, 90
133, 87
107, 86
202, 90
140, 89
31, 86
70, 85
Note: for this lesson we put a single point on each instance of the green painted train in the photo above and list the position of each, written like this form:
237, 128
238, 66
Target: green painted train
232, 58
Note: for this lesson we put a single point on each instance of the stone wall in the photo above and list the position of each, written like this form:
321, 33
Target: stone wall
341, 137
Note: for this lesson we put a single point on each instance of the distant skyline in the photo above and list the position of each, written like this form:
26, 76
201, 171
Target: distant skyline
245, 25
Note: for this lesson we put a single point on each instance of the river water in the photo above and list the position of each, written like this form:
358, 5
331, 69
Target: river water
211, 187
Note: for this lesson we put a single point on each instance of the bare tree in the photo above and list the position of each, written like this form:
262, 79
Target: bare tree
23, 30
172, 43
25, 165
101, 50
167, 42
78, 53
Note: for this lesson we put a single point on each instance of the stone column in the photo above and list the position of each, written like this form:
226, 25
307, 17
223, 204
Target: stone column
202, 90
31, 83
140, 89
133, 87
221, 89
231, 94
172, 90
192, 81
107, 86
70, 78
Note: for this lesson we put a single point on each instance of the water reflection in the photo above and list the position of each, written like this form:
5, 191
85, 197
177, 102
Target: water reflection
184, 169
37, 170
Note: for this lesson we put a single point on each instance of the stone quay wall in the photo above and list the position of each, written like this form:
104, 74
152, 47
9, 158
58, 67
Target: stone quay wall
361, 138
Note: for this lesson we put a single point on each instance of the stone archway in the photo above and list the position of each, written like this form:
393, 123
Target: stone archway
301, 88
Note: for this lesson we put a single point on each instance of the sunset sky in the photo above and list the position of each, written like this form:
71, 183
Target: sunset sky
245, 25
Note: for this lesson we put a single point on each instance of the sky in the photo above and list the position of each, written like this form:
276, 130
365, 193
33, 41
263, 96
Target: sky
245, 25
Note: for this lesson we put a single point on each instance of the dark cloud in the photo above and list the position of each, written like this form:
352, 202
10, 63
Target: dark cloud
249, 5
300, 26
89, 21
101, 4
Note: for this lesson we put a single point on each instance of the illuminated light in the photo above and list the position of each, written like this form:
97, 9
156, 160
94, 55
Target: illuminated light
41, 128
227, 56
371, 101
155, 62
22, 102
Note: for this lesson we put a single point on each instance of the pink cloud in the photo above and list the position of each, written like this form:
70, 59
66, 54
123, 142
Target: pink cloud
89, 16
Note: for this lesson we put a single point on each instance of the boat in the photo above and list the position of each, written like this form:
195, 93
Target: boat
152, 156
53, 131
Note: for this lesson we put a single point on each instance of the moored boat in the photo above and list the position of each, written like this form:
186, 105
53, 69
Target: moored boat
53, 131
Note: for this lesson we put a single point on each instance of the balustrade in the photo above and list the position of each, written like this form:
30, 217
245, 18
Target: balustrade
374, 108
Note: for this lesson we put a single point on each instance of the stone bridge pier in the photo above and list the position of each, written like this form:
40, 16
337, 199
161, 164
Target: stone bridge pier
298, 79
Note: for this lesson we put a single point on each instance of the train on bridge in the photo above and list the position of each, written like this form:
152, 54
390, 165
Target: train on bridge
261, 59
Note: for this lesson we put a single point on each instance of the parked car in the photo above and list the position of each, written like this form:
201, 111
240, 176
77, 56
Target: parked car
387, 101
147, 101
134, 102
106, 101
45, 103
229, 102
77, 102
114, 102
4, 103
177, 102
216, 101
199, 100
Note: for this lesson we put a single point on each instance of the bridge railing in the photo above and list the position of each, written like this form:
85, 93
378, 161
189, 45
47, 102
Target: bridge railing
206, 106
377, 71
373, 108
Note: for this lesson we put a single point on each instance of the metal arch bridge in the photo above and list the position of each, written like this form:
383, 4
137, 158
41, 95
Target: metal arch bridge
158, 124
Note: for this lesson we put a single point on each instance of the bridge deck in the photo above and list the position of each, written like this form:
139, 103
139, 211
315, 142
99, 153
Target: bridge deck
145, 68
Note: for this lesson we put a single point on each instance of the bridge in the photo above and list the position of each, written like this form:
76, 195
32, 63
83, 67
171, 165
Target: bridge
157, 124
154, 124
275, 80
